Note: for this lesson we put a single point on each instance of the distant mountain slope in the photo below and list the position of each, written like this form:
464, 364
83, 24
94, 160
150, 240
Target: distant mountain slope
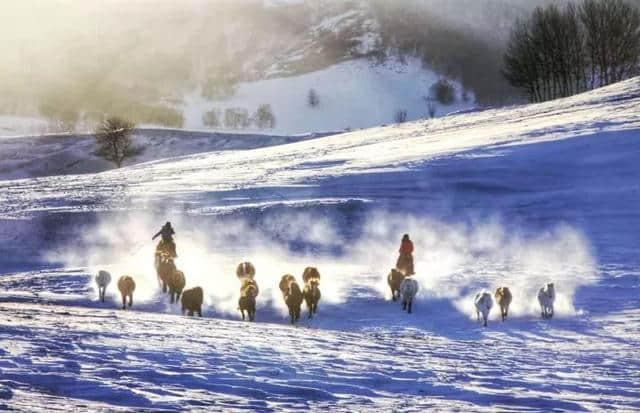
141, 62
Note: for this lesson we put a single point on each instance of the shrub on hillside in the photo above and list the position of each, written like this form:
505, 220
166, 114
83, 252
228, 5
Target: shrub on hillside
113, 137
264, 117
236, 118
211, 118
443, 91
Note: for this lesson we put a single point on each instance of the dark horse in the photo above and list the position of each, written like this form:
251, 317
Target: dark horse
247, 301
292, 296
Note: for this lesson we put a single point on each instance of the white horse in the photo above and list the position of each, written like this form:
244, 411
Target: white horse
408, 291
483, 302
102, 279
546, 297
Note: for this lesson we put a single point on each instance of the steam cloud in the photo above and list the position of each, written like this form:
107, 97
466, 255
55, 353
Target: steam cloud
453, 261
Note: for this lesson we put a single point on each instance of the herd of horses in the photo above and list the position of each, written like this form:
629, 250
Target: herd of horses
401, 282
172, 282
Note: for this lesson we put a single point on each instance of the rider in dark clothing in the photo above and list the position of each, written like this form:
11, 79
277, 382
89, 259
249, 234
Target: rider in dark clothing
166, 243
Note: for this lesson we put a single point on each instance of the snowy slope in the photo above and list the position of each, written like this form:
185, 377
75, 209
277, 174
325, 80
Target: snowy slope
46, 155
353, 94
517, 196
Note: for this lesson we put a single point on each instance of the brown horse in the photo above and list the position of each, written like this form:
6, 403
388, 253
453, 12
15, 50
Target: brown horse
309, 273
176, 283
394, 279
292, 296
245, 270
312, 295
503, 298
192, 301
165, 267
247, 302
127, 286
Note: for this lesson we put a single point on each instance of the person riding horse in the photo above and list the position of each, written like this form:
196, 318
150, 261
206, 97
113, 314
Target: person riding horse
405, 260
166, 244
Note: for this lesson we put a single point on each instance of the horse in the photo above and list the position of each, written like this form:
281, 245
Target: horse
292, 296
165, 267
546, 298
312, 295
503, 298
247, 302
176, 283
102, 279
309, 273
245, 270
192, 301
394, 279
127, 286
408, 291
483, 303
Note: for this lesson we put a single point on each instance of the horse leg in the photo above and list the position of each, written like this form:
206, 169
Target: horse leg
404, 305
130, 300
409, 305
199, 311
242, 312
124, 302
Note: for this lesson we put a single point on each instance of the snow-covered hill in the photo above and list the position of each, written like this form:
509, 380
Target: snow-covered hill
517, 196
351, 95
47, 155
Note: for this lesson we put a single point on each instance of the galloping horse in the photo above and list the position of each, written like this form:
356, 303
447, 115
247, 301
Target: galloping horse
165, 267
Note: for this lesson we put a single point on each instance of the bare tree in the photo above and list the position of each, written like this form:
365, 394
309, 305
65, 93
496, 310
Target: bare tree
211, 118
400, 116
264, 117
237, 118
431, 106
561, 52
313, 100
612, 30
113, 137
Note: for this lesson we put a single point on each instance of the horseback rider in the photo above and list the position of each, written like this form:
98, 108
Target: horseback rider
166, 243
405, 260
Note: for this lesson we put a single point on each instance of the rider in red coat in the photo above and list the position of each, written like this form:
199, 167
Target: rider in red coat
405, 260
406, 246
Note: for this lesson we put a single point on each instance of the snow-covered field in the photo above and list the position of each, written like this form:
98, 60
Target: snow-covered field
517, 196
